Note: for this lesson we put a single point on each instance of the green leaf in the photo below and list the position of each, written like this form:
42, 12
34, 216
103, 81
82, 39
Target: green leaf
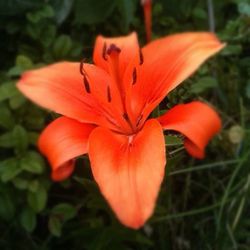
28, 219
33, 186
55, 226
17, 7
6, 140
62, 46
15, 71
38, 200
199, 13
20, 139
7, 90
6, 118
62, 9
127, 10
64, 211
36, 16
9, 169
232, 50
33, 138
32, 162
48, 35
17, 101
7, 208
244, 8
203, 84
24, 62
20, 183
93, 11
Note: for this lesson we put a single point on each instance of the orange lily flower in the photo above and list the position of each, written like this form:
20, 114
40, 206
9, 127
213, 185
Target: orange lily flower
106, 110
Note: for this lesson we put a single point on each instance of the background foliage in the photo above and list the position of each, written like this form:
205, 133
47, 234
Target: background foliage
202, 204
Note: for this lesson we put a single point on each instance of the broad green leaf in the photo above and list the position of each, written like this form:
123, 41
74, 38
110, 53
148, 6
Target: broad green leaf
20, 183
9, 169
24, 62
232, 49
64, 211
36, 16
55, 226
38, 200
199, 13
17, 7
244, 8
62, 9
6, 140
203, 84
33, 186
17, 101
48, 35
62, 46
35, 118
28, 219
7, 90
33, 138
32, 162
7, 207
127, 10
93, 11
20, 139
15, 71
6, 118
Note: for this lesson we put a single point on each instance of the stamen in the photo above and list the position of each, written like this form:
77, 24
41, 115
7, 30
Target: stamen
109, 94
104, 51
86, 84
139, 120
82, 72
141, 57
134, 76
113, 48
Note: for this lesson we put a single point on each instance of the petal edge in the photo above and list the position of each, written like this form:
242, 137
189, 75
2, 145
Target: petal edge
62, 141
197, 121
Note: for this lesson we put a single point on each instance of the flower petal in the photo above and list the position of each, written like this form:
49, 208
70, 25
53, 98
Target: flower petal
60, 87
197, 121
62, 141
129, 49
167, 62
129, 170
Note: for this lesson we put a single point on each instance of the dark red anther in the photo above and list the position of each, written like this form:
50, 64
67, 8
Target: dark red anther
86, 84
81, 67
109, 94
139, 120
134, 76
104, 51
113, 48
141, 57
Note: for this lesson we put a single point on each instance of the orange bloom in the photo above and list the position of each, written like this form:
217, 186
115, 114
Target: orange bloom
106, 110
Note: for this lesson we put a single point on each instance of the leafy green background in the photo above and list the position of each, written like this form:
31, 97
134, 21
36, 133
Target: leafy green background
202, 204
